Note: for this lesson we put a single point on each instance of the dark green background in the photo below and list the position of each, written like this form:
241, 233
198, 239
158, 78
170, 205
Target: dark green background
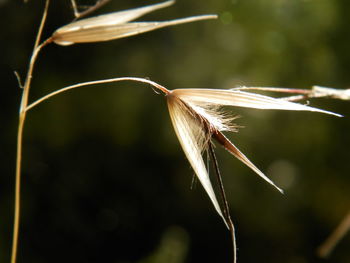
104, 177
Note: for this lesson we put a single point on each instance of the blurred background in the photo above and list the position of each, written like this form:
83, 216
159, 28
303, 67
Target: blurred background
104, 177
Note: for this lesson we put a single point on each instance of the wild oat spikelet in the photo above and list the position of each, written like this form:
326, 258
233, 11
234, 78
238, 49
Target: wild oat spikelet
196, 117
116, 25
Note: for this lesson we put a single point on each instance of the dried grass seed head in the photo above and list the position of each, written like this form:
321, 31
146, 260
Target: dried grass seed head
116, 25
196, 117
193, 138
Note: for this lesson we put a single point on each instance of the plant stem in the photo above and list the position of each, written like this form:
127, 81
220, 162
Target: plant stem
22, 117
95, 82
224, 199
17, 189
90, 10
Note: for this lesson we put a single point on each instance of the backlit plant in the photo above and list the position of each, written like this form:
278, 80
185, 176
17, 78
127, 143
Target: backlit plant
199, 116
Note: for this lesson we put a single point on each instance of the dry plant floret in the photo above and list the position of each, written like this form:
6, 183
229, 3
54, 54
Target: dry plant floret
197, 115
115, 25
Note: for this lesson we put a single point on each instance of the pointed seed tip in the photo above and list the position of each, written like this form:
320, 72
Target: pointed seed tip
335, 114
340, 116
326, 112
168, 3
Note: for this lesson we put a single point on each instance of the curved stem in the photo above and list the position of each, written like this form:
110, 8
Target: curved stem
22, 117
103, 81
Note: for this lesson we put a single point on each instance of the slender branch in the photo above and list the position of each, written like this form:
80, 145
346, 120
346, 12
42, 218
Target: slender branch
90, 83
26, 87
224, 199
22, 117
75, 8
88, 11
18, 77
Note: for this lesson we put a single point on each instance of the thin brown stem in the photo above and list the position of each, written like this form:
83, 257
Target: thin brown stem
103, 81
224, 200
22, 117
17, 189
18, 77
75, 8
88, 11
26, 87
